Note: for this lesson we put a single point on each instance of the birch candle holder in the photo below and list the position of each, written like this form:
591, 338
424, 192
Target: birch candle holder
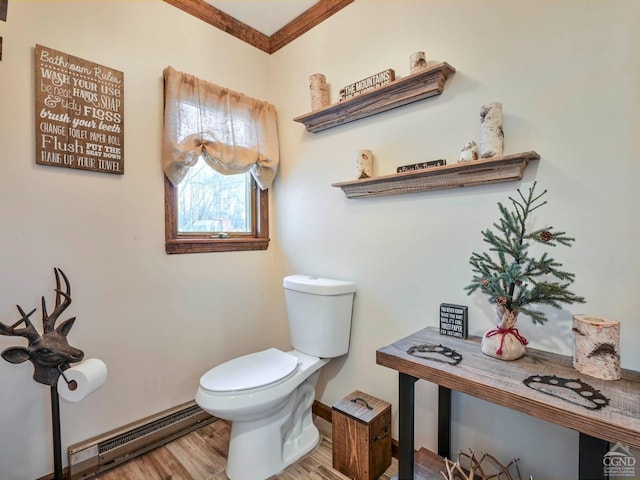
364, 164
417, 62
319, 91
596, 346
469, 152
491, 133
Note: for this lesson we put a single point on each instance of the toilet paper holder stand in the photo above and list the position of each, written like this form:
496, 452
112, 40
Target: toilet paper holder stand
71, 383
49, 352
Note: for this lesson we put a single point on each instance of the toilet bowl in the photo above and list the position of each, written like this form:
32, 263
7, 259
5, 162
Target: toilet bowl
272, 424
267, 396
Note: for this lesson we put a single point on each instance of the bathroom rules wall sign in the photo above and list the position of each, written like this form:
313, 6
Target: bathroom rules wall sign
454, 320
79, 113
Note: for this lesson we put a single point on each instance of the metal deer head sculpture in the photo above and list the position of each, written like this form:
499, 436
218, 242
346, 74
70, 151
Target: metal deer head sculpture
50, 352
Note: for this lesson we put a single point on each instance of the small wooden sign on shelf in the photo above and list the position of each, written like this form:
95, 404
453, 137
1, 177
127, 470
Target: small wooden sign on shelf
367, 84
421, 165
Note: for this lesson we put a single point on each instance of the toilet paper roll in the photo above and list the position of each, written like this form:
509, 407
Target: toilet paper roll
84, 378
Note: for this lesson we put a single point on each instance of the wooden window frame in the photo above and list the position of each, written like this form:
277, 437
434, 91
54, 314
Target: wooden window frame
201, 243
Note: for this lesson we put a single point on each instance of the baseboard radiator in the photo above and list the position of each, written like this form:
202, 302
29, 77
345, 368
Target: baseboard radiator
104, 452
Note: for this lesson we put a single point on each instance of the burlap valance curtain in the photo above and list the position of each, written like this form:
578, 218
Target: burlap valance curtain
231, 131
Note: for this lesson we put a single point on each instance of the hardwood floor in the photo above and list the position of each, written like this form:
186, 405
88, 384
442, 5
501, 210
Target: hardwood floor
201, 455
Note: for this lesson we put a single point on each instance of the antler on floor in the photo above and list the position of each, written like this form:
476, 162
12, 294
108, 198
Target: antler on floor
475, 469
454, 471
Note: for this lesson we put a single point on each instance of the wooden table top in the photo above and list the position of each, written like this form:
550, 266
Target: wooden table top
605, 409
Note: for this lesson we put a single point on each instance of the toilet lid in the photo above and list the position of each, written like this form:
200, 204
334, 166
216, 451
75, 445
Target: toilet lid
249, 371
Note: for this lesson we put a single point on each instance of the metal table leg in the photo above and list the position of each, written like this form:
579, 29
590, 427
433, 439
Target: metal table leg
406, 415
444, 422
591, 458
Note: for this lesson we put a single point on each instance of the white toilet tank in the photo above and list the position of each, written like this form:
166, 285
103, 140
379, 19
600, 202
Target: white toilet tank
319, 313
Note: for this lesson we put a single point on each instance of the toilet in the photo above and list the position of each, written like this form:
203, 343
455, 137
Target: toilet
267, 395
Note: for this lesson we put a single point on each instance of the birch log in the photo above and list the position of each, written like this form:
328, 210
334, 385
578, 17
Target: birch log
491, 134
469, 152
596, 346
319, 91
417, 62
364, 164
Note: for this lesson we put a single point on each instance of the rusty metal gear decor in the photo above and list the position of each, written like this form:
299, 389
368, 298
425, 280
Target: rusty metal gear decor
576, 391
451, 357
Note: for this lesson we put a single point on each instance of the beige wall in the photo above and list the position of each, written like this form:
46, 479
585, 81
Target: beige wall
158, 321
567, 73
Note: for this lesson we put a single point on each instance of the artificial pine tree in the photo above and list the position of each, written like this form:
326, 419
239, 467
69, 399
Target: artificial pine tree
515, 280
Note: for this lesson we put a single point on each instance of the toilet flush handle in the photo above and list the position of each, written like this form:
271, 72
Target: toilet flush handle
354, 400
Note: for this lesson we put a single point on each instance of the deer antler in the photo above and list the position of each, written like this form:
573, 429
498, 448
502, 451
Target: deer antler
455, 471
49, 321
29, 331
474, 469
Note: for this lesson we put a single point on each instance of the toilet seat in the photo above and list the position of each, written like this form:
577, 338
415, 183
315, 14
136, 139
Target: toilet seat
249, 372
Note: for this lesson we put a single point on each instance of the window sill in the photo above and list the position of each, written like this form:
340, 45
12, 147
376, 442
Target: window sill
203, 245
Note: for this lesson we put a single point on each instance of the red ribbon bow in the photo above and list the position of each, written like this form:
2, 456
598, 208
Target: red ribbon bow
506, 331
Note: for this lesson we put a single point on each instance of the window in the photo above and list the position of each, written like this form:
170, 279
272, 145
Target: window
211, 202
220, 155
211, 234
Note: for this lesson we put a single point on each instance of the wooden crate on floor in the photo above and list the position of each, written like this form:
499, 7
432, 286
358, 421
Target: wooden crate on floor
361, 436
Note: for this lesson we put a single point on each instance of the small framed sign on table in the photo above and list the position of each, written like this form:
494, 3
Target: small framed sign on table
454, 320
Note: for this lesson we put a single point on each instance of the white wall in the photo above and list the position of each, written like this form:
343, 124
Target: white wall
158, 321
567, 74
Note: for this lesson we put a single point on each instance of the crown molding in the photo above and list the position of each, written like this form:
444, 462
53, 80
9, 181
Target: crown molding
304, 22
269, 44
217, 18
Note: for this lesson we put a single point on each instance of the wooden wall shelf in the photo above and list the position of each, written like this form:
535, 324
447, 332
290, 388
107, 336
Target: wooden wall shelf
464, 174
417, 86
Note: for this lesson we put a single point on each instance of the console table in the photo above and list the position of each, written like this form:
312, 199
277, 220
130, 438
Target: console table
502, 383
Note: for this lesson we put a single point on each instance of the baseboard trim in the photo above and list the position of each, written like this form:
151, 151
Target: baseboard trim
321, 410
52, 476
318, 408
324, 412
